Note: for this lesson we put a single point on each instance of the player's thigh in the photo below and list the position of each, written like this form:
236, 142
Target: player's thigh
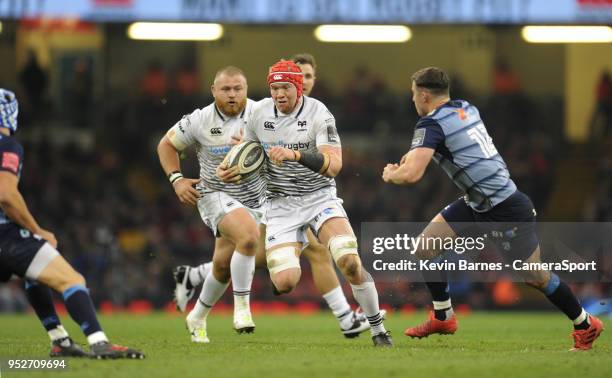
437, 229
239, 227
59, 275
335, 227
454, 220
316, 252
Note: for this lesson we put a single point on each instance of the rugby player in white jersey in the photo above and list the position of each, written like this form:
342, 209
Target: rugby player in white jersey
323, 272
352, 323
299, 136
231, 210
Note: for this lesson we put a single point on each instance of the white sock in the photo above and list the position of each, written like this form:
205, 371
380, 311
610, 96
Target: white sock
339, 305
57, 333
446, 306
367, 297
198, 274
581, 318
242, 268
210, 294
96, 337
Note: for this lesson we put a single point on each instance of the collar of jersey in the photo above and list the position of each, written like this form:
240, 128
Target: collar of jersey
296, 111
223, 116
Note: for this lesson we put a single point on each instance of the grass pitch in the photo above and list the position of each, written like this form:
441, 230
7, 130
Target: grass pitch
288, 346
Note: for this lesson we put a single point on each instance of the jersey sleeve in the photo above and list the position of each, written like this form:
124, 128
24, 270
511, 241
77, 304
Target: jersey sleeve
11, 157
427, 133
249, 131
182, 134
325, 129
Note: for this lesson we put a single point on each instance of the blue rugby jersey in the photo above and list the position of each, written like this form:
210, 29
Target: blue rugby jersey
465, 151
11, 160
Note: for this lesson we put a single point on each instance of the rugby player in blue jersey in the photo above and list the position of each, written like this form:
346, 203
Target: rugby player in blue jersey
29, 251
452, 133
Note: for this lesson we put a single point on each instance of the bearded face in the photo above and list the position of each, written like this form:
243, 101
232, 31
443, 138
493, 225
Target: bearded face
230, 93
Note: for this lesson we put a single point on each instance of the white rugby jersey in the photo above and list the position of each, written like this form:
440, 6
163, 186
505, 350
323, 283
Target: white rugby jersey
308, 126
211, 131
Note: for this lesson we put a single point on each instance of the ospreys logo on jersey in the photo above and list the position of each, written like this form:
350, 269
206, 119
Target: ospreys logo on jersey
216, 131
268, 125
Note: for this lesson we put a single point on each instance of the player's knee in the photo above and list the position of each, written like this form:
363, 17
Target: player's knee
536, 279
248, 242
69, 280
544, 281
350, 266
536, 284
286, 280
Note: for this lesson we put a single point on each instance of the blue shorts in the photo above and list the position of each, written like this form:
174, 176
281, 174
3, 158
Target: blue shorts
18, 248
511, 224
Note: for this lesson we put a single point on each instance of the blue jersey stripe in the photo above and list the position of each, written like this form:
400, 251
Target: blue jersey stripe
465, 128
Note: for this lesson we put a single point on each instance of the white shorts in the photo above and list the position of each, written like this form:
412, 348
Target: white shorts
288, 218
214, 206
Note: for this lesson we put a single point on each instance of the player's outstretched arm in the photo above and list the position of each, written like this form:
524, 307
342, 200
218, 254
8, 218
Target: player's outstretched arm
411, 168
183, 187
14, 206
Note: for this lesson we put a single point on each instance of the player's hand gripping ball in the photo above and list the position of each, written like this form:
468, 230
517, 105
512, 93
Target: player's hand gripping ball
248, 157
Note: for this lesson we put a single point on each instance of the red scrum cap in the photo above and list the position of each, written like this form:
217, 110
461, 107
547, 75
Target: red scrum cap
286, 71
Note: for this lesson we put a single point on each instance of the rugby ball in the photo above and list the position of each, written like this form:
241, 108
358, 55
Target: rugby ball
248, 156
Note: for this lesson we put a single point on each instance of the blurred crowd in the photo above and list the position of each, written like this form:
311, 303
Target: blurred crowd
119, 223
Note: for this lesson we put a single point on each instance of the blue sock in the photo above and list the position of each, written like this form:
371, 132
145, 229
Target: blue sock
41, 301
561, 296
81, 309
437, 283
